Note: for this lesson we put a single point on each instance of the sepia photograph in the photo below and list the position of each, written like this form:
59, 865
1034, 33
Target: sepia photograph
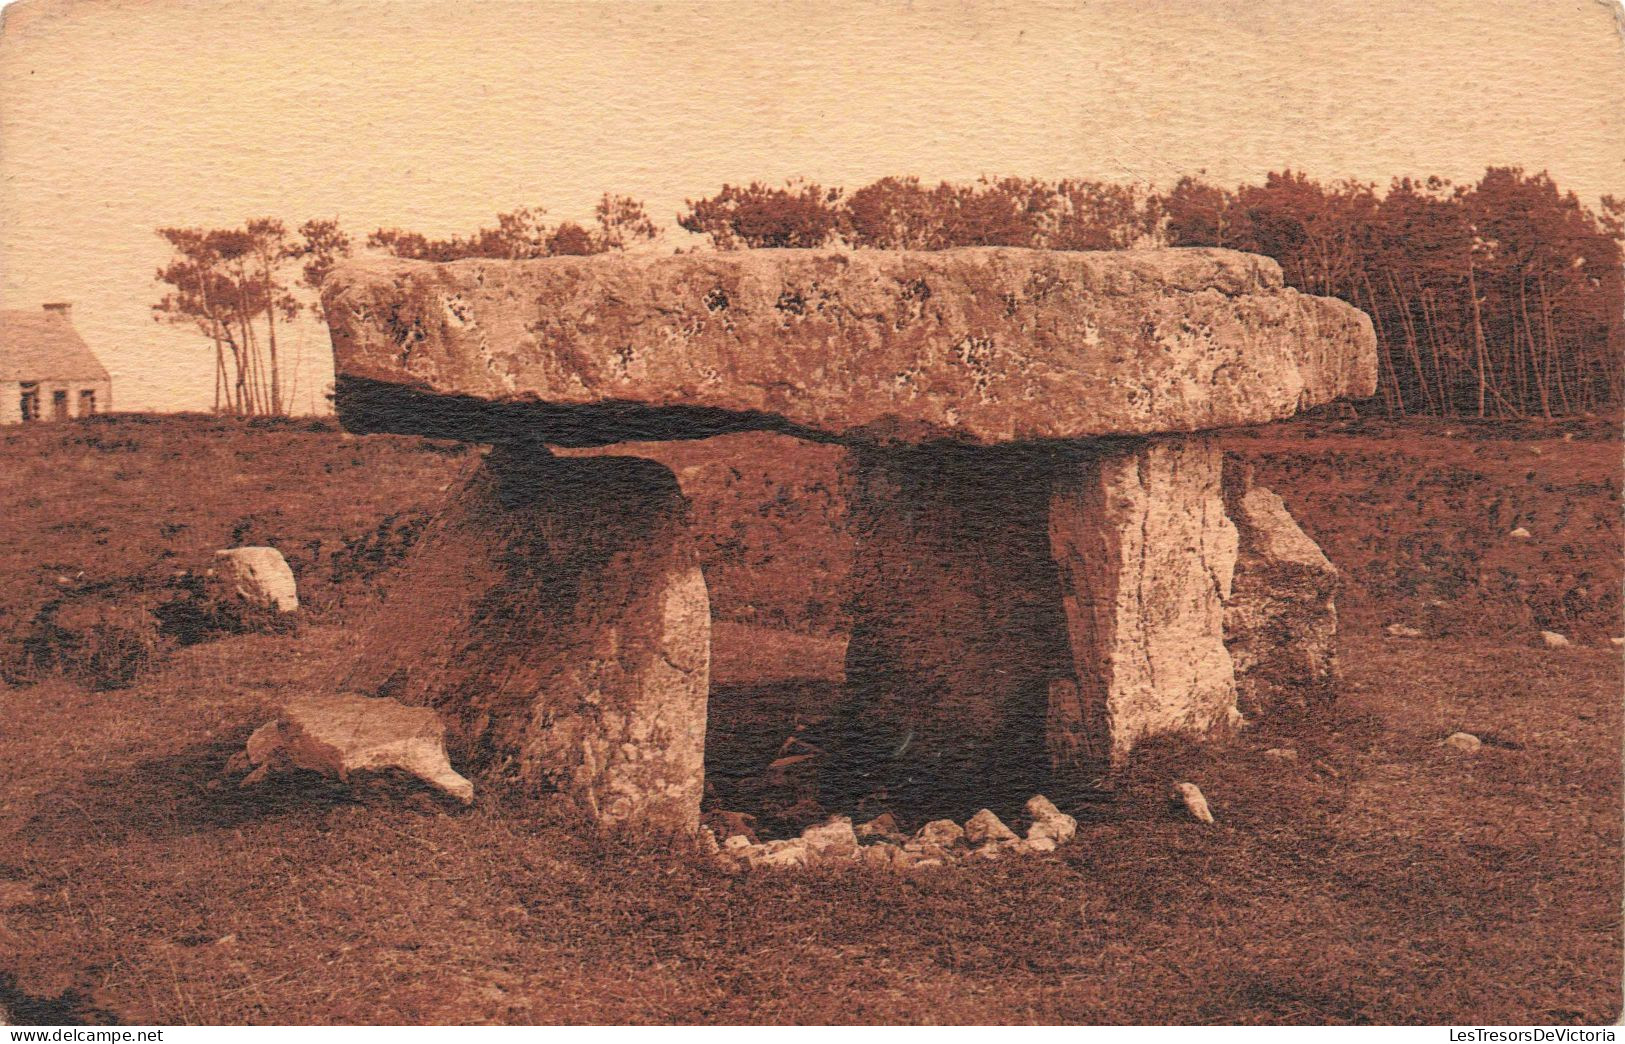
877, 513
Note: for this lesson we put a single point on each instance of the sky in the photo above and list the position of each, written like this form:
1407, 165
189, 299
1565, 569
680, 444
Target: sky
121, 116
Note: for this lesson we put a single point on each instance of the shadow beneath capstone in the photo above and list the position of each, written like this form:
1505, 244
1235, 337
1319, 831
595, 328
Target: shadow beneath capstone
376, 407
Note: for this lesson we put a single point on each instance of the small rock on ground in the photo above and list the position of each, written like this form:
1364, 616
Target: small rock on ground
1049, 822
1041, 807
1519, 534
776, 855
259, 576
726, 824
917, 850
1465, 742
985, 827
1397, 630
1553, 640
1281, 754
943, 832
884, 825
882, 856
1190, 796
832, 840
341, 735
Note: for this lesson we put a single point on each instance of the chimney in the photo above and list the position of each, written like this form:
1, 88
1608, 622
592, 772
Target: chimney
60, 310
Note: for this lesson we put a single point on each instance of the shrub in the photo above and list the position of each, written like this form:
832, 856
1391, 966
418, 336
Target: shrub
103, 640
204, 612
362, 558
757, 216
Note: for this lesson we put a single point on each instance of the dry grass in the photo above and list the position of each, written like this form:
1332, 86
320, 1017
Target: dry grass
1379, 878
1419, 514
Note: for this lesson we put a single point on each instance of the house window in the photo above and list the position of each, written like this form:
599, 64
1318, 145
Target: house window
59, 405
87, 402
30, 402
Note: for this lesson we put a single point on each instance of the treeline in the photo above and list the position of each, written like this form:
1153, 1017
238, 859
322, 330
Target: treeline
1500, 298
619, 222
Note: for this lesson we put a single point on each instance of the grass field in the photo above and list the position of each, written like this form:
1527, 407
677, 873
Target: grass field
1379, 877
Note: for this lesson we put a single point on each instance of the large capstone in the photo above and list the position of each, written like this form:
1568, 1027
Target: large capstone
555, 615
983, 346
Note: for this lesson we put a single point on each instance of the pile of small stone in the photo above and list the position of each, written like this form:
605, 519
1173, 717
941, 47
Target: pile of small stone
882, 843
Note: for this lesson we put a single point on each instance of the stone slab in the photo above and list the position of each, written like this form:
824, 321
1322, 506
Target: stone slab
1280, 621
1146, 558
343, 735
983, 345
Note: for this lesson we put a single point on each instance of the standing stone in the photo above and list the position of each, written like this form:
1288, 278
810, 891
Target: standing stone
1028, 616
1280, 620
259, 576
1146, 556
556, 616
957, 630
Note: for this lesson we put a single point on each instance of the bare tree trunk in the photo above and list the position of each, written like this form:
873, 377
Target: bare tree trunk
1403, 305
1539, 362
219, 331
250, 355
1392, 395
277, 406
219, 371
1478, 335
1551, 348
1432, 325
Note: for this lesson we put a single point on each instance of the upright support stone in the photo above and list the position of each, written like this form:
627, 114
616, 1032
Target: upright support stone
1280, 622
556, 616
957, 631
1146, 556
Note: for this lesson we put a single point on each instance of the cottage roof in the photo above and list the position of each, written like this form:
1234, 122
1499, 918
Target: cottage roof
40, 346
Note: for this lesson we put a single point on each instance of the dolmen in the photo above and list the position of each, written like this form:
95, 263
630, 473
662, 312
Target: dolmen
1054, 561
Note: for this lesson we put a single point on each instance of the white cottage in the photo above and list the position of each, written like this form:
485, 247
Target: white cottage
47, 372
